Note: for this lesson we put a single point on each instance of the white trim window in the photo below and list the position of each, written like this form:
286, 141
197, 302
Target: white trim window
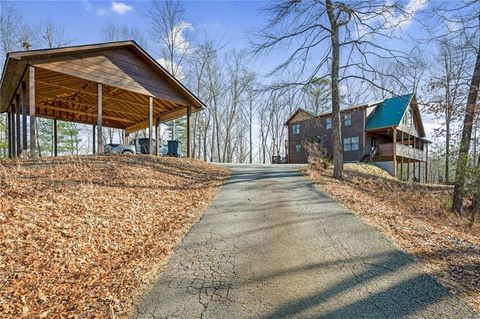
298, 148
328, 123
296, 128
351, 143
347, 119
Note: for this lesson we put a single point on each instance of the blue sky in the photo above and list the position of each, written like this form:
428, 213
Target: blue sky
83, 20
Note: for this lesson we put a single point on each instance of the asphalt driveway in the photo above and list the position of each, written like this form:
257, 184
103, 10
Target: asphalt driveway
273, 246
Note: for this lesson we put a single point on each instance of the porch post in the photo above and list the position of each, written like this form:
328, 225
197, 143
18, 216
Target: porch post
9, 134
17, 121
13, 131
31, 83
189, 133
99, 119
24, 120
93, 138
150, 125
395, 152
157, 137
401, 160
55, 138
426, 162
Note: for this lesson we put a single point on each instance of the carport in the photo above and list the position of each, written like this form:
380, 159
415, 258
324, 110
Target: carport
114, 84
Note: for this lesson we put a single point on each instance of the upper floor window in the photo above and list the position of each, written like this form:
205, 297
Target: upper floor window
351, 143
296, 128
408, 119
298, 147
328, 123
347, 119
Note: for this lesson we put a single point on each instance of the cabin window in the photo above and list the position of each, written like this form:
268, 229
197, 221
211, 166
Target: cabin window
328, 123
351, 143
408, 118
347, 120
298, 148
296, 128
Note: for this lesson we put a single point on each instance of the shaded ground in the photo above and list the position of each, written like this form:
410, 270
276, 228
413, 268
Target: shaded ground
81, 236
272, 246
416, 217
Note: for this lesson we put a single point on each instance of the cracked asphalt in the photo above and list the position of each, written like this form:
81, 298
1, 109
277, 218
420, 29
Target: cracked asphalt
273, 246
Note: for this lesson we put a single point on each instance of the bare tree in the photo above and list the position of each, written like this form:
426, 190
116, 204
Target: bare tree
321, 33
114, 32
448, 86
53, 35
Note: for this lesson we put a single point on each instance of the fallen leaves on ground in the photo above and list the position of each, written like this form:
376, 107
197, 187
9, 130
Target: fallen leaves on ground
81, 237
415, 216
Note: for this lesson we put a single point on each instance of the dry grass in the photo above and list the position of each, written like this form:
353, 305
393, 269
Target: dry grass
416, 217
81, 237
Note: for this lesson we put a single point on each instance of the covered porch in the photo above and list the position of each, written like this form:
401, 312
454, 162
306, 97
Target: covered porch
115, 85
399, 150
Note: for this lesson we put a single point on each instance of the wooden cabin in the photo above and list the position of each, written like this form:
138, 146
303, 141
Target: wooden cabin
116, 84
387, 133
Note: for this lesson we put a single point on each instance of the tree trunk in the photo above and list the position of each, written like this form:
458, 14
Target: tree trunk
336, 120
459, 190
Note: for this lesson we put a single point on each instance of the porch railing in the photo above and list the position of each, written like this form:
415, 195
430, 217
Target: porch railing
386, 149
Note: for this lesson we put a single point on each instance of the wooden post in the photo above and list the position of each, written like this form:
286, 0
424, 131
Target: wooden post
125, 137
31, 83
24, 120
189, 132
426, 162
395, 152
9, 134
401, 159
13, 131
55, 138
157, 137
99, 119
18, 109
94, 129
150, 125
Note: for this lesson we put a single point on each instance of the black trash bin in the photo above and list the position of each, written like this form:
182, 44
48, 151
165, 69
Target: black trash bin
174, 148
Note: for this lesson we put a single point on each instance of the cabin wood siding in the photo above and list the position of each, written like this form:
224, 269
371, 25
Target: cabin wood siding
315, 127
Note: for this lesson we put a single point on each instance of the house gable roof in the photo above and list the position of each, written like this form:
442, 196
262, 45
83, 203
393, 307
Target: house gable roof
389, 112
299, 115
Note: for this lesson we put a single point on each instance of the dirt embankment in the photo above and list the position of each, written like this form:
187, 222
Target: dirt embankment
83, 236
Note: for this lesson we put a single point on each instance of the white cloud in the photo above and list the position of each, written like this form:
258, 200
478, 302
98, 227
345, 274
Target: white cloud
405, 20
173, 68
181, 44
121, 7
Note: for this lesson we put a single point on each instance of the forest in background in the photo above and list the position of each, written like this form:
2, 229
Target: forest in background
244, 121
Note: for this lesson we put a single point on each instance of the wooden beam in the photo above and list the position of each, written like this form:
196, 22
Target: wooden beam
9, 134
55, 138
150, 125
18, 109
13, 130
99, 119
107, 117
47, 99
24, 119
93, 138
143, 106
164, 117
31, 91
189, 132
157, 137
395, 152
426, 162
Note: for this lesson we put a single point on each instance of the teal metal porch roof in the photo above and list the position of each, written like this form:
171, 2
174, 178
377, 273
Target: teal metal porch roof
389, 112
